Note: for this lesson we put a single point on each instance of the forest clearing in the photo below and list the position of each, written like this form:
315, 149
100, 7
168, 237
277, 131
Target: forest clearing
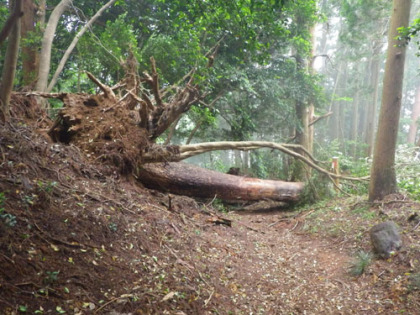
178, 157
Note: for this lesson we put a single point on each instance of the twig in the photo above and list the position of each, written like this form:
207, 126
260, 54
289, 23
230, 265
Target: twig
297, 223
208, 300
7, 303
250, 228
106, 304
8, 259
278, 221
338, 187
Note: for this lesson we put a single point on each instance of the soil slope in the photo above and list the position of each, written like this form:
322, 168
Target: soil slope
77, 237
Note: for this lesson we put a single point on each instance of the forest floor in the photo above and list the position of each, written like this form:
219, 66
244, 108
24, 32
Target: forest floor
76, 237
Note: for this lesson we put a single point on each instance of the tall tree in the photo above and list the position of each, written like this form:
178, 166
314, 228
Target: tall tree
10, 61
30, 55
415, 115
370, 117
383, 178
47, 40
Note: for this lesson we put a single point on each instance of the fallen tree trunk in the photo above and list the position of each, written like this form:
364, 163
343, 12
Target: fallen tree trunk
187, 179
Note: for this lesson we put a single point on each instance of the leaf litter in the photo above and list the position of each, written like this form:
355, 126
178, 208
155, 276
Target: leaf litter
97, 242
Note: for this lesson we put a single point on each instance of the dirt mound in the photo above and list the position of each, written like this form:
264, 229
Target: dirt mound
72, 238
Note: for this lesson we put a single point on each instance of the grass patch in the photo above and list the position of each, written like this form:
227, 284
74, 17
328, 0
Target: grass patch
360, 262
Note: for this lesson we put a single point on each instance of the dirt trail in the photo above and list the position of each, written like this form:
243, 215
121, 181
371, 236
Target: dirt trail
273, 270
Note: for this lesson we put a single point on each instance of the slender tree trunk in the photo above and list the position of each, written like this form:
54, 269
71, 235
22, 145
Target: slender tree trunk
47, 40
383, 178
30, 55
301, 171
341, 108
355, 120
371, 108
10, 61
324, 35
311, 107
415, 115
363, 100
74, 43
337, 130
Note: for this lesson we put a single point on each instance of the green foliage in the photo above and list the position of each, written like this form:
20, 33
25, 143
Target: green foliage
113, 227
406, 34
219, 205
259, 164
22, 308
174, 56
107, 51
408, 169
7, 219
414, 282
46, 186
365, 212
216, 163
51, 277
360, 262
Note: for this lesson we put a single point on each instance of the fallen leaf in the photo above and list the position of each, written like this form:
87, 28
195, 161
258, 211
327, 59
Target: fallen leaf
168, 296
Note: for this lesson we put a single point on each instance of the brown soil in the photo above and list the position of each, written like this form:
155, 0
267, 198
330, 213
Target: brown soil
78, 237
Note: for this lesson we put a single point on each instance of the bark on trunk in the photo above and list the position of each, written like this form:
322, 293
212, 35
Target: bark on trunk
383, 178
415, 115
30, 55
190, 180
10, 61
45, 56
74, 43
371, 109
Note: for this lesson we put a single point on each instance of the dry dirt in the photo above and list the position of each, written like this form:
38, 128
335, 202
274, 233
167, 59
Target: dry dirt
77, 237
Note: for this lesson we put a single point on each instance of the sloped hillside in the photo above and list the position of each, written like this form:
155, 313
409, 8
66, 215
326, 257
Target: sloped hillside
78, 237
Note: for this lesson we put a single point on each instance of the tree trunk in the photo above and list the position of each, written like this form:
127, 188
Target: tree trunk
190, 180
311, 107
355, 122
30, 55
415, 115
371, 109
301, 171
45, 56
336, 105
9, 67
383, 178
74, 43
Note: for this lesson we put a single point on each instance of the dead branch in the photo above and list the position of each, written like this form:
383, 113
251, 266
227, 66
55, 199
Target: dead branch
190, 150
155, 83
59, 96
316, 119
172, 131
106, 89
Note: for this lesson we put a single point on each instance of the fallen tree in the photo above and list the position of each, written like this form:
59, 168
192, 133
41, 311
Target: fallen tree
122, 130
190, 180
